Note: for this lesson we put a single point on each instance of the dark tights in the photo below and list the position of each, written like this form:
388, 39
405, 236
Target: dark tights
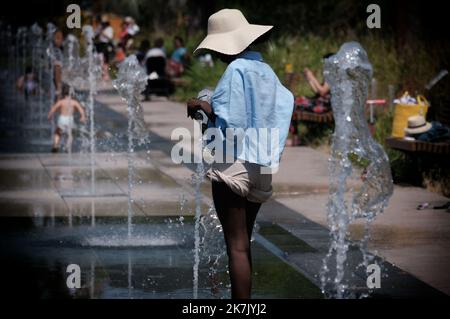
237, 216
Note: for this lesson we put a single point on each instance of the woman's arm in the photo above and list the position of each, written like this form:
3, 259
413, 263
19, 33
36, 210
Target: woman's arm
310, 78
321, 89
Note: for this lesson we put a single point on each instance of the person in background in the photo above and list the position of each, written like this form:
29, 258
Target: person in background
124, 36
142, 51
119, 56
157, 50
57, 58
178, 59
128, 33
320, 102
133, 28
104, 45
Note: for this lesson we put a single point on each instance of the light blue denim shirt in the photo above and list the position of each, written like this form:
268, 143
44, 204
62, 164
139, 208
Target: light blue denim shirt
250, 96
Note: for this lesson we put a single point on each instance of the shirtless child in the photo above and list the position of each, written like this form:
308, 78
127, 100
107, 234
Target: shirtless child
66, 107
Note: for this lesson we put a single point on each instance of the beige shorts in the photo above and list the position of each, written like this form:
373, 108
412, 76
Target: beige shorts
244, 179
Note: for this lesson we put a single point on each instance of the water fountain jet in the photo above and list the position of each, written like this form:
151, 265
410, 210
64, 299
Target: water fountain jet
93, 75
130, 83
360, 175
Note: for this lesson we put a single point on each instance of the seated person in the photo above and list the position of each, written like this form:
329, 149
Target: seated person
178, 59
156, 65
320, 102
157, 50
155, 60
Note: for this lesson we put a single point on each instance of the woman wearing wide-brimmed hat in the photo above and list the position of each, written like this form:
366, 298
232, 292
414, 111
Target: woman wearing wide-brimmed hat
250, 97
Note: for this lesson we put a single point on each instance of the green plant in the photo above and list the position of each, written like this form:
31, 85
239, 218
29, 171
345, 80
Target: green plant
198, 77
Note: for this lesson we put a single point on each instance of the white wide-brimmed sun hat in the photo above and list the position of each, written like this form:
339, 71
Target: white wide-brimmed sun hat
230, 33
417, 125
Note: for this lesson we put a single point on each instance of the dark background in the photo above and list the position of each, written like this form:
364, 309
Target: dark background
425, 20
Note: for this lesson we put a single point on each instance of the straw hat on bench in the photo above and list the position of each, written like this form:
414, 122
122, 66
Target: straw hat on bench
417, 125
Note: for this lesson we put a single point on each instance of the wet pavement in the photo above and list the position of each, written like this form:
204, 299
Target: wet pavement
52, 217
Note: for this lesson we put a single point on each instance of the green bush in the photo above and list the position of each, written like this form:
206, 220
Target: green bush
198, 77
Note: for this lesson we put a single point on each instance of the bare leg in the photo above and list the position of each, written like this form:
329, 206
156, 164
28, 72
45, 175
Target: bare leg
56, 138
237, 226
252, 210
69, 141
105, 72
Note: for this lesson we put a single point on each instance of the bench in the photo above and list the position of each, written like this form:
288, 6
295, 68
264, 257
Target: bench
421, 155
400, 144
327, 118
306, 116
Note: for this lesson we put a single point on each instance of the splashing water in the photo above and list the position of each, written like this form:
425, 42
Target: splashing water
131, 81
213, 247
197, 180
36, 64
93, 75
51, 29
24, 45
136, 241
70, 63
71, 52
17, 70
82, 74
360, 175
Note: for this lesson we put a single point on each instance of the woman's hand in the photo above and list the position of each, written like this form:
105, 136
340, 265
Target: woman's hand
193, 105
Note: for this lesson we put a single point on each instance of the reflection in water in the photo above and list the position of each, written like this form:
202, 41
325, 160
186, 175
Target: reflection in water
69, 215
93, 212
130, 274
92, 280
38, 256
52, 214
